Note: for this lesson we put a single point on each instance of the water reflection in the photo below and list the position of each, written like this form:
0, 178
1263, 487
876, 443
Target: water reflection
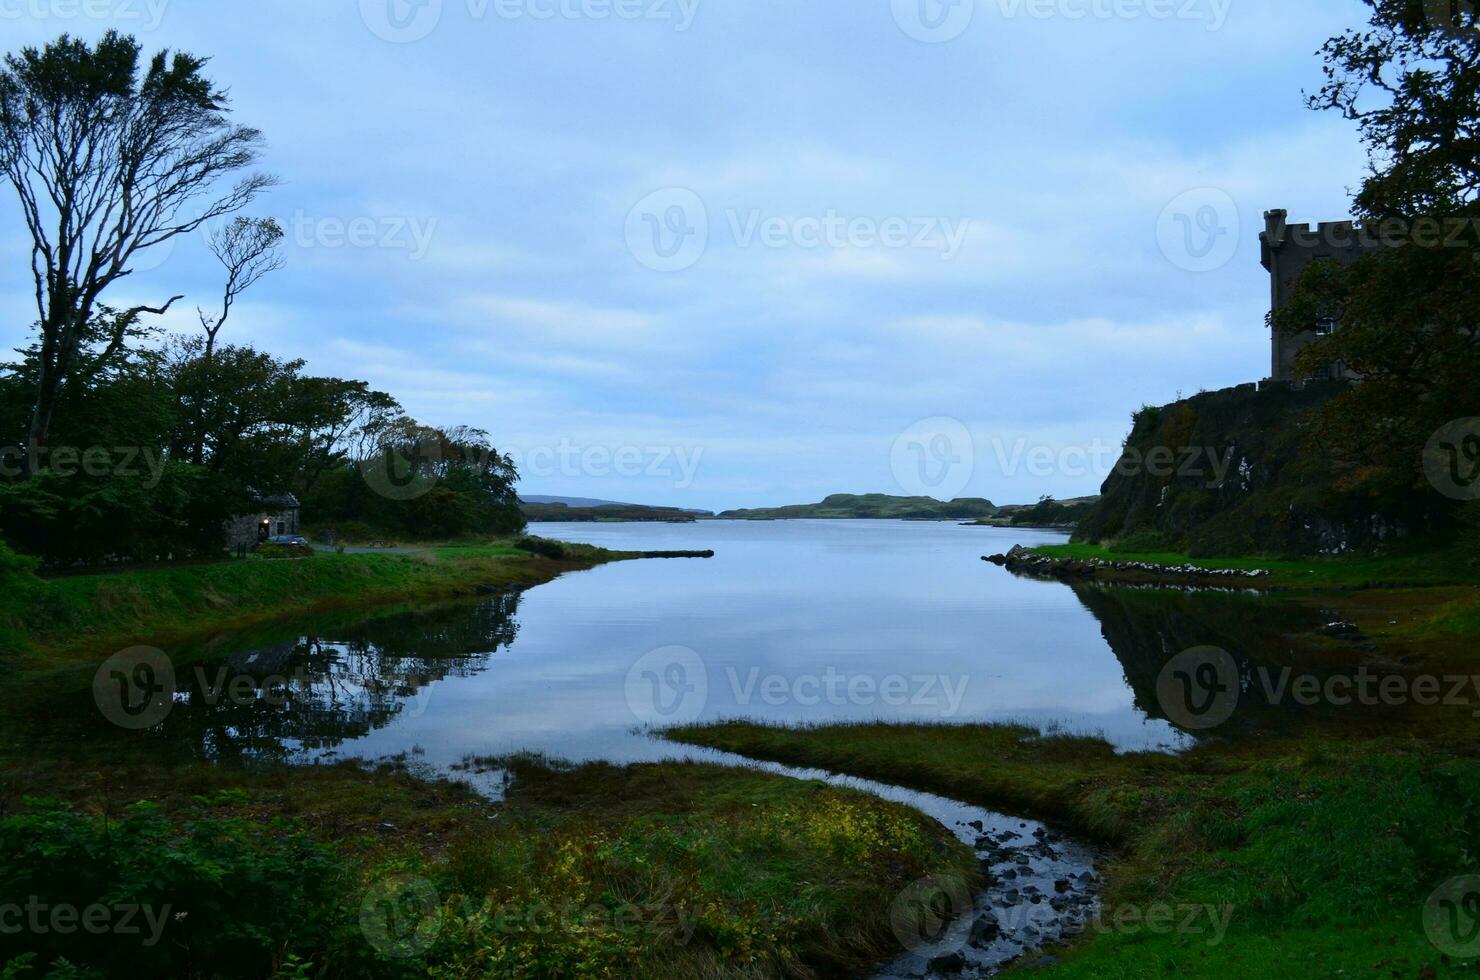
316, 691
547, 671
1147, 628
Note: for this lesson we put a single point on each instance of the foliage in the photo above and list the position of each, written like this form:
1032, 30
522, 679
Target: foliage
225, 897
119, 449
608, 512
108, 159
1048, 512
1410, 82
1409, 313
1316, 850
543, 547
672, 870
261, 425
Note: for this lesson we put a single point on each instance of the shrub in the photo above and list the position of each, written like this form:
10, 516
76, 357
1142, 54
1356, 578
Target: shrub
543, 547
225, 897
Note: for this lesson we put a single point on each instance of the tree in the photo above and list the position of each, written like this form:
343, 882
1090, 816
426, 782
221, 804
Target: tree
1411, 83
248, 249
107, 162
1409, 313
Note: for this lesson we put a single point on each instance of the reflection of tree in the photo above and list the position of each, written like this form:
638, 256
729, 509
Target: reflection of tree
1147, 627
318, 691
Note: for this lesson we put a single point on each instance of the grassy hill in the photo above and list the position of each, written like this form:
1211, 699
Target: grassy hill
1045, 513
534, 513
844, 506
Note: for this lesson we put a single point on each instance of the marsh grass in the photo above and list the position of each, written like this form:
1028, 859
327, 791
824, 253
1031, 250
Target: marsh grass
671, 870
1324, 851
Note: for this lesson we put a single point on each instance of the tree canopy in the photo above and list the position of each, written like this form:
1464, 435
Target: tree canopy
1409, 311
120, 443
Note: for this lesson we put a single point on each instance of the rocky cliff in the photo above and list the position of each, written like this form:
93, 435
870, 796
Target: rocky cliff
1235, 471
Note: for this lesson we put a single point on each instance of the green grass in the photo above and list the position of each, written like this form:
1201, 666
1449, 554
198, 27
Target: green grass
51, 622
1417, 568
670, 870
1325, 851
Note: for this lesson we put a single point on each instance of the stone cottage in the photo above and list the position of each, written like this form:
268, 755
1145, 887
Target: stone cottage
267, 517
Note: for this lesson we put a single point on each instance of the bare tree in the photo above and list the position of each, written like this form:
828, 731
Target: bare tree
248, 249
107, 163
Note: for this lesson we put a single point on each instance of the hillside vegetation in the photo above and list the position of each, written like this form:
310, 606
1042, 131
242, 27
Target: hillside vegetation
537, 512
1238, 472
844, 506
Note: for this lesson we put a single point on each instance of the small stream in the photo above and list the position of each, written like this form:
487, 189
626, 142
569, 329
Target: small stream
1041, 887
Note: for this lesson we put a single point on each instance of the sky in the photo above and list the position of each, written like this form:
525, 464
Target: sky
731, 253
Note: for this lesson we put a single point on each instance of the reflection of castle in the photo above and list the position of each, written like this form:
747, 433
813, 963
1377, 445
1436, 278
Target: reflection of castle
1287, 250
1145, 628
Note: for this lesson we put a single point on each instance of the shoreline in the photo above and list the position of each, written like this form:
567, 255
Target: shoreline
1032, 563
54, 624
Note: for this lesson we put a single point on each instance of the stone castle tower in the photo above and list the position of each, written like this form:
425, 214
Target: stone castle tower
1286, 250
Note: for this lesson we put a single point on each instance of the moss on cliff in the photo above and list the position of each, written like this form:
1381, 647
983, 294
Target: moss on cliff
1238, 471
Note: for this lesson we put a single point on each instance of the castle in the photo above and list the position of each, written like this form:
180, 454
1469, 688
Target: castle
1286, 250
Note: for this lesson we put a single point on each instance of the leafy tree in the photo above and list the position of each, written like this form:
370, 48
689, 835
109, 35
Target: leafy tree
106, 162
1411, 83
123, 450
1408, 313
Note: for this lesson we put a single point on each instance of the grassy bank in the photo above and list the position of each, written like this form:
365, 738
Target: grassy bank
1416, 568
672, 870
1418, 606
51, 622
1324, 852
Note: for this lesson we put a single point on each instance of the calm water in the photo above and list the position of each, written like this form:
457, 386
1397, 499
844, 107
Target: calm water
797, 621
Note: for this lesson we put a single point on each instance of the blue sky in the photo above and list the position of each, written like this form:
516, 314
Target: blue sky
723, 253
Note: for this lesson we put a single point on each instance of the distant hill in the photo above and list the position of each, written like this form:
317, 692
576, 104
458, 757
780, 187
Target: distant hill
843, 506
1045, 513
536, 512
580, 502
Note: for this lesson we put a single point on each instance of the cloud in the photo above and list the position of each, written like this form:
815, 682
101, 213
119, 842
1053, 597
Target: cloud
522, 146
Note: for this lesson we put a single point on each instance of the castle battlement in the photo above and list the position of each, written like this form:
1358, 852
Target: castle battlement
1334, 235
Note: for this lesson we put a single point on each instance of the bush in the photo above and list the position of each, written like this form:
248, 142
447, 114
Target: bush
543, 547
223, 897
